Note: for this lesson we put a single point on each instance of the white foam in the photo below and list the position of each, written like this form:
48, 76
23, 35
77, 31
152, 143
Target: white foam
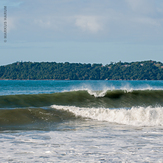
136, 116
97, 93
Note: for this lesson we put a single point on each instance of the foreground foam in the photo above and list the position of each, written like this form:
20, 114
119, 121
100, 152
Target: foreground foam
136, 116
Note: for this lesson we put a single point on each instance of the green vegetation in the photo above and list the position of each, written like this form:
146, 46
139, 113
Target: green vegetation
145, 70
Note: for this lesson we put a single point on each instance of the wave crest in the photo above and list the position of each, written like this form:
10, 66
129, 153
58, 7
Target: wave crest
136, 116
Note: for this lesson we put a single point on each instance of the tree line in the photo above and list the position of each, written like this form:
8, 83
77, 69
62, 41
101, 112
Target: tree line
144, 70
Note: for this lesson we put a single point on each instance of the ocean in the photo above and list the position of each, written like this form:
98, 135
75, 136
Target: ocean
81, 121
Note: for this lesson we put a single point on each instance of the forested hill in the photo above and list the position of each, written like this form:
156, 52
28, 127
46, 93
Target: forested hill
145, 70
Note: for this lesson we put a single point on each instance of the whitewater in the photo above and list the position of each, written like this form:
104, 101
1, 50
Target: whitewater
81, 121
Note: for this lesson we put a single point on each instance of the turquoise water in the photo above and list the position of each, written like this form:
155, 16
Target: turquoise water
9, 87
81, 121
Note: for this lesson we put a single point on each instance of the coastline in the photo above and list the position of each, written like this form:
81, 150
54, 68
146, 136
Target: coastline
144, 70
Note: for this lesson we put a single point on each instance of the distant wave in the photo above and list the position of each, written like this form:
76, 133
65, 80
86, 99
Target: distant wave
87, 98
139, 116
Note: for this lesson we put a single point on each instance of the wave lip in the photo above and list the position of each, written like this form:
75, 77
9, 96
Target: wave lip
135, 116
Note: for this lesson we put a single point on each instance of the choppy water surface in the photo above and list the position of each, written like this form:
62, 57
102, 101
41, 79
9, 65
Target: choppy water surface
81, 121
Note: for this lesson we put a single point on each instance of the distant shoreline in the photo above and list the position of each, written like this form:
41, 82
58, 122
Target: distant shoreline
144, 70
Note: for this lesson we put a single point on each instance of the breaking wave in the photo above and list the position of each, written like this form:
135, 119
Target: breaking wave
87, 98
135, 116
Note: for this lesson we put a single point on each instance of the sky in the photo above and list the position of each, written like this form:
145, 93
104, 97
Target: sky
81, 31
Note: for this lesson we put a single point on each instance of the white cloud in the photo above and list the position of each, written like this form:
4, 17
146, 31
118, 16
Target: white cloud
10, 24
64, 19
1, 23
43, 23
144, 6
54, 23
88, 23
147, 21
135, 4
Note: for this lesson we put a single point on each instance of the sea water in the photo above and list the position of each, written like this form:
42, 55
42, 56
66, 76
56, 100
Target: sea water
81, 121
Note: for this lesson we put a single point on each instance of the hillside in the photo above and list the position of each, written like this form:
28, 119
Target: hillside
145, 70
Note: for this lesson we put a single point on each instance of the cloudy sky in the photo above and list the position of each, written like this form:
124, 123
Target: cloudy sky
85, 31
